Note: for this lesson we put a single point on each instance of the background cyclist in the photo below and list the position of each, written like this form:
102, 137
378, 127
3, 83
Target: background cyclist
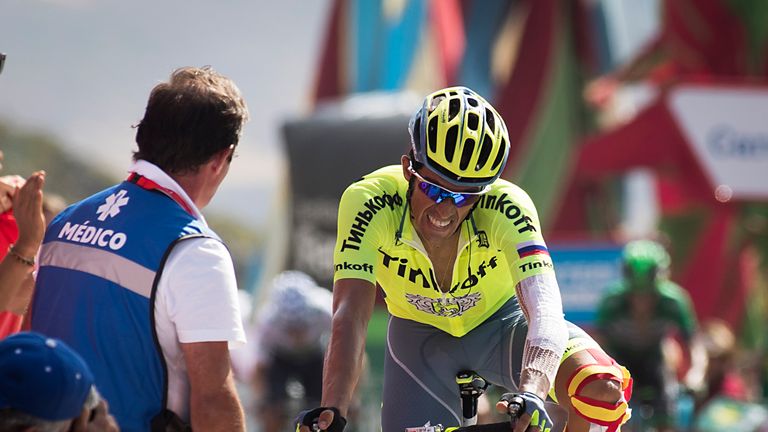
289, 340
637, 318
468, 280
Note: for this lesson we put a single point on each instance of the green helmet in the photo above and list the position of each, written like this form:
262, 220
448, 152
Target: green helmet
645, 263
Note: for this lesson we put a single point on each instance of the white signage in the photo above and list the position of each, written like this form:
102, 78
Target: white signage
727, 129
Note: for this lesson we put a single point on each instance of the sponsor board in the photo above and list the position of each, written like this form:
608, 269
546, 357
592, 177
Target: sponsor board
584, 271
727, 131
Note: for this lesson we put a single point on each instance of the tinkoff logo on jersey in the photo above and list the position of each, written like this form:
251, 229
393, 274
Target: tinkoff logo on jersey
416, 274
365, 216
507, 207
357, 267
448, 307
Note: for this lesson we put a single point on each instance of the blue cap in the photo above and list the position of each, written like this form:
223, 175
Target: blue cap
42, 377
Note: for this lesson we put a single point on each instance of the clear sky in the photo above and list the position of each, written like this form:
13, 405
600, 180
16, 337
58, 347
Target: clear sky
82, 70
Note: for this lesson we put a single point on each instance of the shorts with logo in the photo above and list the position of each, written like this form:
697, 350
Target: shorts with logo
421, 363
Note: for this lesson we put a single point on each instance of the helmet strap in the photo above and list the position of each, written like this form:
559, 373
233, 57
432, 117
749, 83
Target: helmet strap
408, 193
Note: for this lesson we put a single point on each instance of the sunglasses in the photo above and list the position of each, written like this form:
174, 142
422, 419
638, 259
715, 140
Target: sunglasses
438, 193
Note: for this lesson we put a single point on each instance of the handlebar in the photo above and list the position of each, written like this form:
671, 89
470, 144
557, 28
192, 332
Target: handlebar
516, 407
493, 427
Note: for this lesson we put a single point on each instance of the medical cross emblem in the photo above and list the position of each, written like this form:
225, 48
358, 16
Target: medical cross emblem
112, 206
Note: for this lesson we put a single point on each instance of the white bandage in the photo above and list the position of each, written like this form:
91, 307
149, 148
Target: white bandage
539, 298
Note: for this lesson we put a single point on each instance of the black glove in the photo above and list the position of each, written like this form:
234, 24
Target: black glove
309, 418
531, 404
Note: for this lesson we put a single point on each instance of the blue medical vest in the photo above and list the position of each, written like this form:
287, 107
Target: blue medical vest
100, 263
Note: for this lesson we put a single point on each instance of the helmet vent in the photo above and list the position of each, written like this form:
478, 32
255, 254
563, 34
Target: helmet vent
500, 154
450, 142
490, 119
435, 102
472, 102
472, 121
466, 154
432, 134
453, 109
485, 152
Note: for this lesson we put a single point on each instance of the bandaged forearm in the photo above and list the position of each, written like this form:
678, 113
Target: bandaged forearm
539, 298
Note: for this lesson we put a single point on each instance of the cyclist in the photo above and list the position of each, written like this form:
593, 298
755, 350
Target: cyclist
290, 338
637, 317
467, 279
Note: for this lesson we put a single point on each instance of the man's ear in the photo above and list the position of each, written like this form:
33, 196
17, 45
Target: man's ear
406, 162
220, 160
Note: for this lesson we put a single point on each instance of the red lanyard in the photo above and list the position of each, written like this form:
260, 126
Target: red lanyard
148, 184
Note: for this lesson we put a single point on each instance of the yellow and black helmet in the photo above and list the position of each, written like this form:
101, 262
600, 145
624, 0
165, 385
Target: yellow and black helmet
460, 136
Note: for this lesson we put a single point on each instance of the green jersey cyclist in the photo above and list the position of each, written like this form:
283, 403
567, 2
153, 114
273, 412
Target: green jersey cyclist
467, 278
635, 318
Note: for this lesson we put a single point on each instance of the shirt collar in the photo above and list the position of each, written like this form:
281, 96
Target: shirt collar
157, 175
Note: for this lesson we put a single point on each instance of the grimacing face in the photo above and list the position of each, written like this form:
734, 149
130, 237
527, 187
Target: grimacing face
434, 221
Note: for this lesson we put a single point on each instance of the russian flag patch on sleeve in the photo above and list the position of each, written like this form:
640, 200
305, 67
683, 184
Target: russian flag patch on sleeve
532, 247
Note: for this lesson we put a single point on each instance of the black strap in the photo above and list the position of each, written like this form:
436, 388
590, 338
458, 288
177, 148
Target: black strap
169, 421
166, 420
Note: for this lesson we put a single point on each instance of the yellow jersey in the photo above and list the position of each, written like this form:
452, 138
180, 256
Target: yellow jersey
500, 244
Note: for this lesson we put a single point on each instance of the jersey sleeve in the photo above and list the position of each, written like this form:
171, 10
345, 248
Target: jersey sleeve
519, 232
362, 225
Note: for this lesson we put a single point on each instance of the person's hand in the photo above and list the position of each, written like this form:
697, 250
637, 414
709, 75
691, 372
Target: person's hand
326, 418
28, 211
599, 92
97, 420
527, 412
8, 186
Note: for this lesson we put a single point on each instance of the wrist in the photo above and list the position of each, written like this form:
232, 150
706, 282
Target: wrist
22, 255
19, 311
25, 247
534, 382
534, 395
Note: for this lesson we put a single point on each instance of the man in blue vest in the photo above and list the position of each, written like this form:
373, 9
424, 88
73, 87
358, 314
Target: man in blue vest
135, 281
